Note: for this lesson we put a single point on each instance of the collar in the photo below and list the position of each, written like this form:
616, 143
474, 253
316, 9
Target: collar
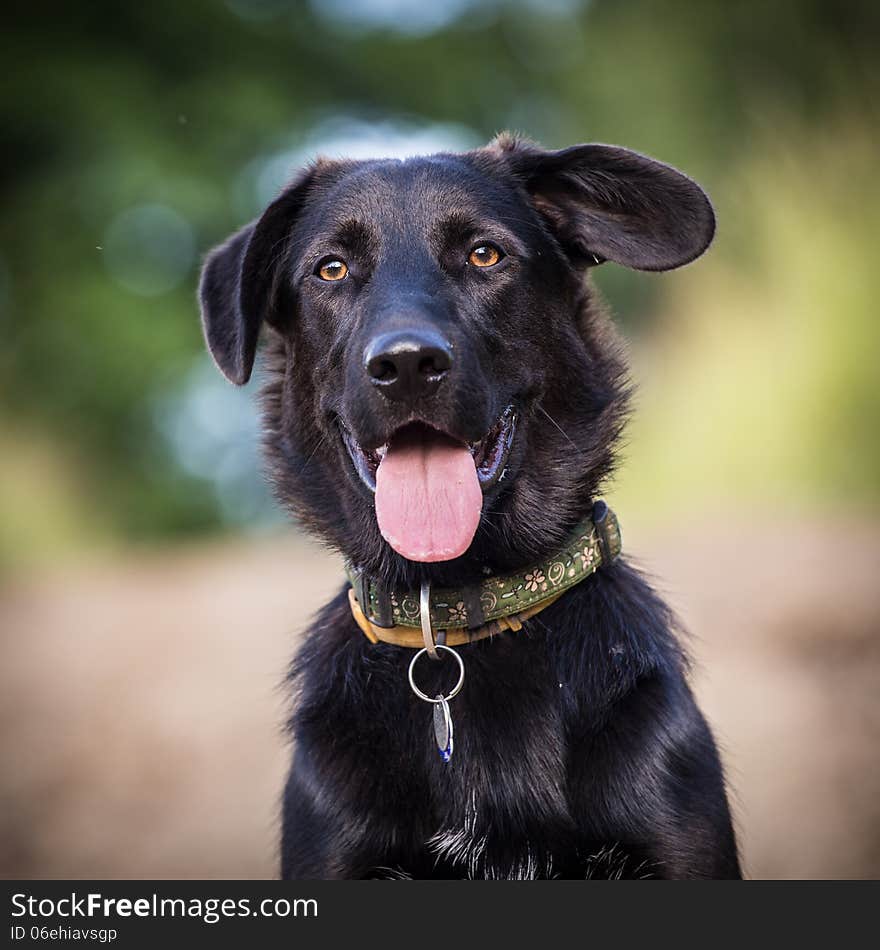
495, 603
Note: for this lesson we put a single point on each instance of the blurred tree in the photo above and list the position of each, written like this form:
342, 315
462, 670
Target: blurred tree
131, 133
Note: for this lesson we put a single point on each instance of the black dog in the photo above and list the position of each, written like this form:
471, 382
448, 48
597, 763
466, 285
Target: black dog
443, 405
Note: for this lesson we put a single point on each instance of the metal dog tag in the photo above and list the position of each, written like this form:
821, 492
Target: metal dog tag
442, 716
443, 727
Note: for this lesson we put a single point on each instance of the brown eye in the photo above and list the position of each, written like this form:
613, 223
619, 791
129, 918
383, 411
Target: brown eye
333, 270
484, 255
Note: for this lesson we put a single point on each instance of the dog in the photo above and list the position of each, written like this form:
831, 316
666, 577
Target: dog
444, 398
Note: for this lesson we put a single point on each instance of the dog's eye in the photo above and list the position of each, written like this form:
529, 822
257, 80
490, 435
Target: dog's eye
332, 269
485, 255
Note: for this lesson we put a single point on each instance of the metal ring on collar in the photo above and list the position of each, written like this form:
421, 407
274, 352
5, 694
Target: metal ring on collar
455, 689
425, 617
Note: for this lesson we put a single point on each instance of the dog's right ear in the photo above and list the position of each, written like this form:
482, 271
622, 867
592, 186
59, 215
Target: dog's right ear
603, 202
241, 280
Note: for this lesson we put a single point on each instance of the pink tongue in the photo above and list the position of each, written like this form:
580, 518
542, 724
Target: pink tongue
428, 496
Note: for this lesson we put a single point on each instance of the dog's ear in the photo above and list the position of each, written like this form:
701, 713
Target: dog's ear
241, 280
603, 202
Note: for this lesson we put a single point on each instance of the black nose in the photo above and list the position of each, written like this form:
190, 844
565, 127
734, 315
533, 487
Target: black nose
407, 364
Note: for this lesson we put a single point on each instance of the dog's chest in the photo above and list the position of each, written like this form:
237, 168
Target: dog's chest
499, 808
499, 805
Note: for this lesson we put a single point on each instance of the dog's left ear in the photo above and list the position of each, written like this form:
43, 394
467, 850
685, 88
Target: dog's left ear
603, 202
242, 279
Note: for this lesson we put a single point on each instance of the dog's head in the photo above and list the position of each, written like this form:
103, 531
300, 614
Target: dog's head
440, 388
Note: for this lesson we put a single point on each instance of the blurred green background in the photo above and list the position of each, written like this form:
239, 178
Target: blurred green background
136, 135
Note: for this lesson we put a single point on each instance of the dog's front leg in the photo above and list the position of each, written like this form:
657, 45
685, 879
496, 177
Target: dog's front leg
693, 833
317, 842
323, 838
650, 789
305, 852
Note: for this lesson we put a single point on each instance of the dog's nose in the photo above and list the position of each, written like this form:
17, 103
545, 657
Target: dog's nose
407, 364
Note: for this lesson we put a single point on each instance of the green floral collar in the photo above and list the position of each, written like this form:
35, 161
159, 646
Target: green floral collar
596, 541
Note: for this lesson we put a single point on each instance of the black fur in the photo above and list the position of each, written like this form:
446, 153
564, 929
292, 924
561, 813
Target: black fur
579, 749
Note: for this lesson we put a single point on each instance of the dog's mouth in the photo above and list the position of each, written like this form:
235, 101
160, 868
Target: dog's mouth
489, 453
429, 485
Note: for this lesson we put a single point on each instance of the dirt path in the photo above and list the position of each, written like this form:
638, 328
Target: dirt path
140, 707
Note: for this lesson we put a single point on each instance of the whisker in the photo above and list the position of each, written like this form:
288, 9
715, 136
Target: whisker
312, 454
559, 427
